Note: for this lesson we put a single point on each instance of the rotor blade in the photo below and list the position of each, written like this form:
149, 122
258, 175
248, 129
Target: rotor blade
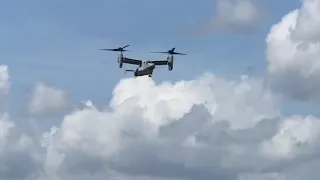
160, 52
125, 46
114, 49
109, 49
178, 53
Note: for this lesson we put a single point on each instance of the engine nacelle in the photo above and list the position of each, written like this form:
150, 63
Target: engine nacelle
170, 66
120, 60
170, 62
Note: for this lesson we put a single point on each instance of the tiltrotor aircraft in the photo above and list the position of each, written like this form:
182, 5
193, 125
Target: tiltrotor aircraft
145, 67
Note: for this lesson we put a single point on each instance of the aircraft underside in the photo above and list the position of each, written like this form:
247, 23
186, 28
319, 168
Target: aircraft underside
144, 72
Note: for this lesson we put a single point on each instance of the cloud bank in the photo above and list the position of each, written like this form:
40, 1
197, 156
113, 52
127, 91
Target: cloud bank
206, 128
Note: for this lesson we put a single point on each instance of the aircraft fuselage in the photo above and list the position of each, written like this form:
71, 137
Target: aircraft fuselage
145, 69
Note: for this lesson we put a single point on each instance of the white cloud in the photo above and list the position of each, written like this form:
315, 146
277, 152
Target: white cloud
293, 53
236, 16
201, 129
5, 127
4, 80
47, 100
207, 128
18, 151
223, 98
4, 86
307, 22
296, 136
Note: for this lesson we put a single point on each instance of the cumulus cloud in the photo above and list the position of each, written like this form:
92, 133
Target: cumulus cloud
293, 53
206, 128
18, 151
168, 130
235, 16
4, 86
47, 100
4, 80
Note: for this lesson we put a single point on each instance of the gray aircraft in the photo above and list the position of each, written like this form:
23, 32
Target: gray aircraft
145, 67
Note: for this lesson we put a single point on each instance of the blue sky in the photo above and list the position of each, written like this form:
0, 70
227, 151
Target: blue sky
57, 42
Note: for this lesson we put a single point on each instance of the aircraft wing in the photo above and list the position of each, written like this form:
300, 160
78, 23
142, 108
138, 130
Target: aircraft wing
159, 62
132, 61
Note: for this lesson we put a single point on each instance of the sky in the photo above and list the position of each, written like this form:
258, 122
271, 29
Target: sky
58, 41
68, 111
